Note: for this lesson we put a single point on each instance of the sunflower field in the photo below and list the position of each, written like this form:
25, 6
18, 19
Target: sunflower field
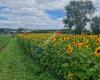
66, 57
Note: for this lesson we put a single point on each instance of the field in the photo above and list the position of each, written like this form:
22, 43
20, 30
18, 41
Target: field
49, 56
4, 39
66, 57
49, 39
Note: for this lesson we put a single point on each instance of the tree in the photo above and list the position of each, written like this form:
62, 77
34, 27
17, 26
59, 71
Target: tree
95, 25
77, 13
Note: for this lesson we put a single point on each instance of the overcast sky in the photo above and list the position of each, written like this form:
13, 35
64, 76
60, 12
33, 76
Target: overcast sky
35, 14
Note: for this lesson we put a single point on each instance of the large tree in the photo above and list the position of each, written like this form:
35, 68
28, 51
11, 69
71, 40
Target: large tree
77, 15
95, 25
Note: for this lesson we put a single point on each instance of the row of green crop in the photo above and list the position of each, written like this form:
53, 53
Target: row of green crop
52, 57
4, 40
5, 36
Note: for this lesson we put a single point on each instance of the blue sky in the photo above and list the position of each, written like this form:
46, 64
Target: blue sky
3, 7
3, 18
55, 14
35, 14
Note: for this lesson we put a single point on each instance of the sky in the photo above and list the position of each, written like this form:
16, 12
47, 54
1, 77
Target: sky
35, 14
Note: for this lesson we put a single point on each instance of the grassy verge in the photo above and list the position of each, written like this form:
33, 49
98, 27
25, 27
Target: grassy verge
15, 65
3, 43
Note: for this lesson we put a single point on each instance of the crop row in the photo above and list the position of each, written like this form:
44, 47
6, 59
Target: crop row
4, 40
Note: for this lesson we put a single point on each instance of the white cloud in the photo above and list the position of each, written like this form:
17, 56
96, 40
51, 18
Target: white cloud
31, 12
52, 4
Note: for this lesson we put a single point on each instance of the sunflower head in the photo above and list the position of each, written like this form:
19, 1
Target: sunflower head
97, 51
65, 38
74, 37
98, 41
69, 49
87, 46
70, 76
53, 39
68, 46
78, 44
98, 35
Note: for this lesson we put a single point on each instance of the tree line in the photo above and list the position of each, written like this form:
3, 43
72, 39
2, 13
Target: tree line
79, 14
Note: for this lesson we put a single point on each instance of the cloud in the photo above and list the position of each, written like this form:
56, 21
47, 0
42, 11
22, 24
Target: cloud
52, 4
30, 13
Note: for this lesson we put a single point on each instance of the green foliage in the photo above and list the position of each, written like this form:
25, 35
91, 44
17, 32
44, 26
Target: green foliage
95, 25
4, 40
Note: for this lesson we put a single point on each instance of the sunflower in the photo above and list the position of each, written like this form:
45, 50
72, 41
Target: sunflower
78, 44
69, 49
98, 40
65, 38
97, 51
98, 35
90, 37
86, 46
70, 76
68, 46
53, 39
74, 37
